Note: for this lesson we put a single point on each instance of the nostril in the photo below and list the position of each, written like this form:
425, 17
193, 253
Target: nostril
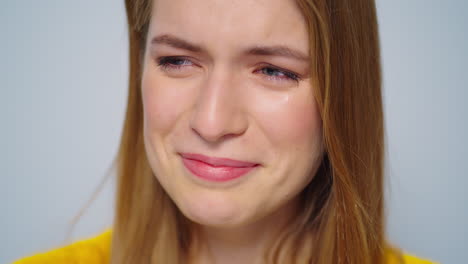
219, 128
210, 134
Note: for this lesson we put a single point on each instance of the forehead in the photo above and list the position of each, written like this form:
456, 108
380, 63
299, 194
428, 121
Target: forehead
231, 23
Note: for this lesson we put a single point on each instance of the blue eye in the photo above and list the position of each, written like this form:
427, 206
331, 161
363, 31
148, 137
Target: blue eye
173, 62
278, 74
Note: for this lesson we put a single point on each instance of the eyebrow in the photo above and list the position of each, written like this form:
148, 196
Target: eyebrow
176, 43
277, 50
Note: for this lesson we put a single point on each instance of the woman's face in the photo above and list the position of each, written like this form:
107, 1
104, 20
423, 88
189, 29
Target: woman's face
230, 80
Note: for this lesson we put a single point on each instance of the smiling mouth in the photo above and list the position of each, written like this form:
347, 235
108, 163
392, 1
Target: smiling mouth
216, 169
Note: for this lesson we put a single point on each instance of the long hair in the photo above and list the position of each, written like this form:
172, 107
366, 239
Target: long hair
342, 219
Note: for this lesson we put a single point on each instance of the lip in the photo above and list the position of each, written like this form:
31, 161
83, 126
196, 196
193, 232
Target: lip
216, 169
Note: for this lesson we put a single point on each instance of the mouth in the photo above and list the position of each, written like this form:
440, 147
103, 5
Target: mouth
216, 169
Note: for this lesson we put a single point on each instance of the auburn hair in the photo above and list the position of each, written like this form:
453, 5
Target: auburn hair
342, 216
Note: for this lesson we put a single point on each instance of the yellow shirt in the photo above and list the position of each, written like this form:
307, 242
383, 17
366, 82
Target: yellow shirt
96, 251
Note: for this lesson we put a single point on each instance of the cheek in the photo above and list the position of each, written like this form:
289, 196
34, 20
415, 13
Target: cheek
289, 120
162, 103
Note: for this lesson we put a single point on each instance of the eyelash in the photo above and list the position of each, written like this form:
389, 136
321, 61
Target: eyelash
171, 63
168, 63
286, 75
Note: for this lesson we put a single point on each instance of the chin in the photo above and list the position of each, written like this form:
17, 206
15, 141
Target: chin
214, 211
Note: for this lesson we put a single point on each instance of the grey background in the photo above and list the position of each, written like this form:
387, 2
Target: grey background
63, 74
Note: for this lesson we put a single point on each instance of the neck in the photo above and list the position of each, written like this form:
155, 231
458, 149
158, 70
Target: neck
244, 244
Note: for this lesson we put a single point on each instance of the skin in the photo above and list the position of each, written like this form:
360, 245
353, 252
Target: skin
224, 100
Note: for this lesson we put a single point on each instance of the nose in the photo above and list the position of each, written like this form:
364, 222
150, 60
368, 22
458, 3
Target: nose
218, 111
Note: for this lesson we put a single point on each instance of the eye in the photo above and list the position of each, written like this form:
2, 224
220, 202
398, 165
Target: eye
173, 62
277, 74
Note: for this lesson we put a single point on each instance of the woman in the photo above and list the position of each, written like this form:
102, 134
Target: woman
253, 134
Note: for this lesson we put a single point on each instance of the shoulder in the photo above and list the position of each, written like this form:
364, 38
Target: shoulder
410, 259
395, 256
94, 250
